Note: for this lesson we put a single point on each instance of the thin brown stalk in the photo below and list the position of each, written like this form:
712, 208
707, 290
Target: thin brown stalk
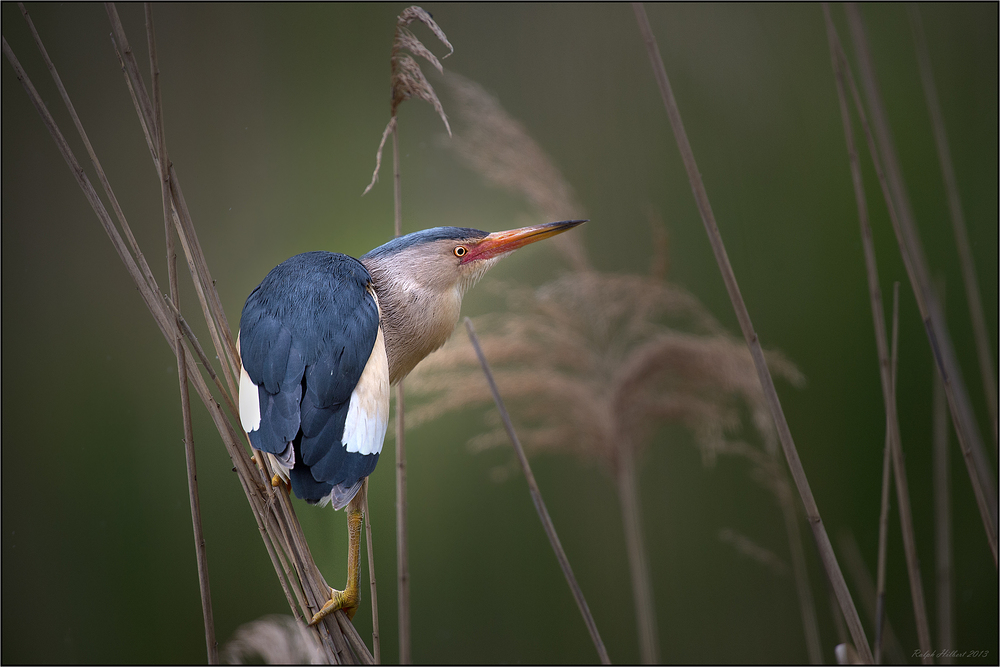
944, 569
402, 551
229, 367
536, 497
131, 68
340, 642
376, 643
204, 284
843, 637
102, 177
354, 640
807, 606
906, 524
883, 522
145, 291
967, 262
315, 588
389, 129
200, 352
211, 646
264, 501
862, 580
908, 239
142, 104
767, 383
201, 555
141, 259
402, 546
130, 77
642, 588
397, 187
883, 540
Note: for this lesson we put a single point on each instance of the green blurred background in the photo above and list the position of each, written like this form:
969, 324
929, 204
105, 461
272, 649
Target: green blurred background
273, 114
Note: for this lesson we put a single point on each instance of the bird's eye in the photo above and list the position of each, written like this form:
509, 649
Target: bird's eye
460, 251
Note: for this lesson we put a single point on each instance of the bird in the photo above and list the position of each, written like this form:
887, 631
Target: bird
323, 337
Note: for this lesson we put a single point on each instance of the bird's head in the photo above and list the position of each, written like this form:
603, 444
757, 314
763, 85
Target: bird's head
421, 278
445, 259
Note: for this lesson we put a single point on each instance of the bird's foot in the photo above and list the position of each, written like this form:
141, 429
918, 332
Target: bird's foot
346, 600
278, 480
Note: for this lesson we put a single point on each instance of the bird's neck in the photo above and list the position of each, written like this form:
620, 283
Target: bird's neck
416, 319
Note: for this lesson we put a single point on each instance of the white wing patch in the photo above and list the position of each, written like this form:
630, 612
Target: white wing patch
250, 420
368, 411
249, 402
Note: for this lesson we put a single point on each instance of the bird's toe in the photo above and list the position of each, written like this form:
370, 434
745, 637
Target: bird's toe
338, 600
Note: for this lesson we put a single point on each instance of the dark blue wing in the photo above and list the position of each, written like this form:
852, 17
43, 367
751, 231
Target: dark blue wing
306, 334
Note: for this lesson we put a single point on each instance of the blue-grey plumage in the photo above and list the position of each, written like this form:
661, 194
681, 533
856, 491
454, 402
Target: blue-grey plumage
306, 336
324, 335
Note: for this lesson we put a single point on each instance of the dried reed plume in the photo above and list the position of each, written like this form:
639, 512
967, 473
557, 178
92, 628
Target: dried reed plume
406, 78
747, 547
611, 356
276, 639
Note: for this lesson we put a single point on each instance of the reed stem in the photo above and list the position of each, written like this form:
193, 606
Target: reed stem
807, 605
944, 567
402, 547
376, 642
642, 588
967, 262
211, 646
536, 498
887, 458
863, 584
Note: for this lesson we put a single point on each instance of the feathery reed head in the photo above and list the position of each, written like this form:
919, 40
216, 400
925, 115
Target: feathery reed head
593, 362
406, 78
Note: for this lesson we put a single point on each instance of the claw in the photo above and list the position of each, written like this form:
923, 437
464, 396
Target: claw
338, 600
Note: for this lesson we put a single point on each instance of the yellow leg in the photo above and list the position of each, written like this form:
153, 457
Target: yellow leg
348, 598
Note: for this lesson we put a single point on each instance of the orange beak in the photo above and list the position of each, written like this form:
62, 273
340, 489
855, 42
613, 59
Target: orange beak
499, 243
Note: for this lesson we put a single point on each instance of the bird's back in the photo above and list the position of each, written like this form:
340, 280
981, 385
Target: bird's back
314, 359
